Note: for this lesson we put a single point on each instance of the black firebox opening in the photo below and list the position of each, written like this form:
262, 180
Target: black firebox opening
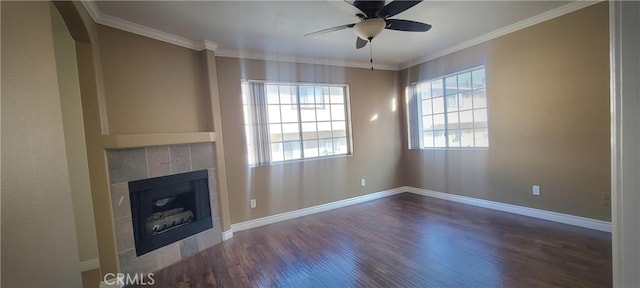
170, 208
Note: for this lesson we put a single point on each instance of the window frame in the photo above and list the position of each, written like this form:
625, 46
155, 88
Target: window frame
299, 108
445, 112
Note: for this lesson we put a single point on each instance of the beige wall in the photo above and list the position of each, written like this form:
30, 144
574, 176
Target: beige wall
548, 109
71, 107
285, 187
152, 86
39, 247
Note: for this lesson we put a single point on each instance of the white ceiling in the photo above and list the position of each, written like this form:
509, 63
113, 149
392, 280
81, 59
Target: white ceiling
276, 27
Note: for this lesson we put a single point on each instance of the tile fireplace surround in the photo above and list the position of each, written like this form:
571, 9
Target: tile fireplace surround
147, 162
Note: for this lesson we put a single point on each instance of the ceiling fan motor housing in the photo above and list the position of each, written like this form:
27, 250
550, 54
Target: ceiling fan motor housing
369, 28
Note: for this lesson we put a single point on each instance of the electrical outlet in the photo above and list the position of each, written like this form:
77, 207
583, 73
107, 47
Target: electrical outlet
606, 199
536, 190
253, 203
363, 182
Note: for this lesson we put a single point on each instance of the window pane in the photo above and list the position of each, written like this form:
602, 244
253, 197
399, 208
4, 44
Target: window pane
274, 113
310, 148
323, 113
478, 78
324, 130
308, 115
427, 122
454, 138
309, 131
326, 147
465, 101
275, 132
291, 131
438, 121
480, 117
436, 88
466, 119
340, 146
482, 137
427, 139
288, 95
277, 153
307, 95
337, 112
320, 92
426, 107
339, 128
439, 138
424, 90
452, 102
480, 98
452, 120
289, 113
337, 94
451, 85
438, 105
464, 82
272, 94
292, 150
466, 136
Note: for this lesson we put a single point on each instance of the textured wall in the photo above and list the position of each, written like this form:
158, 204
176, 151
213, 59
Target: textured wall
285, 187
152, 86
39, 244
548, 109
73, 124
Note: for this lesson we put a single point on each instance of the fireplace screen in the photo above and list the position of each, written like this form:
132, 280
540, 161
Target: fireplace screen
167, 209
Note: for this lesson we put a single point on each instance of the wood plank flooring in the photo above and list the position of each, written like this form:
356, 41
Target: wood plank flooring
405, 240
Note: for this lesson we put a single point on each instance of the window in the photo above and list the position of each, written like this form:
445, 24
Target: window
287, 122
449, 112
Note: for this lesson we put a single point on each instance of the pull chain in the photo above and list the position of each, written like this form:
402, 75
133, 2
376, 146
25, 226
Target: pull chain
371, 53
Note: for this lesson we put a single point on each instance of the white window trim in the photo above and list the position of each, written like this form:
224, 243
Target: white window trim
446, 131
348, 133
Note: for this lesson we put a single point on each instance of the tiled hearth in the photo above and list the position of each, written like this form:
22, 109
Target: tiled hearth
141, 163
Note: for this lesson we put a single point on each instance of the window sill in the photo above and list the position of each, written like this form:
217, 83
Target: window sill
302, 160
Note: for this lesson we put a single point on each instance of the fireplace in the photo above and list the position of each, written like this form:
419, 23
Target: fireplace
169, 208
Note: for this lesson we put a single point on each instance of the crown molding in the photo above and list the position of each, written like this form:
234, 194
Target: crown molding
128, 26
304, 60
207, 45
560, 11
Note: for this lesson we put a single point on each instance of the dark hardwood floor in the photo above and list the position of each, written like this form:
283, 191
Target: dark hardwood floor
405, 240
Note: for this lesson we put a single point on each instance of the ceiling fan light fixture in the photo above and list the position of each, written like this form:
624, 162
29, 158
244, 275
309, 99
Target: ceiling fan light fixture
369, 28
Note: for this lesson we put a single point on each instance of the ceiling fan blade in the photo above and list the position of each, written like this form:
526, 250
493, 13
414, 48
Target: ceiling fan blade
369, 8
396, 7
407, 25
337, 28
360, 42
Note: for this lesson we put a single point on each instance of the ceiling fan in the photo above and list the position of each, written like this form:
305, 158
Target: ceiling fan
374, 19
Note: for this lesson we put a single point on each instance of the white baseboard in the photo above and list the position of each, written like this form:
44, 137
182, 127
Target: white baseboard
526, 211
312, 210
89, 265
226, 235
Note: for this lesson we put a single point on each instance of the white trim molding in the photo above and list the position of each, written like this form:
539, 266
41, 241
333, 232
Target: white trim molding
560, 11
312, 210
89, 265
515, 209
303, 60
226, 235
624, 21
118, 23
